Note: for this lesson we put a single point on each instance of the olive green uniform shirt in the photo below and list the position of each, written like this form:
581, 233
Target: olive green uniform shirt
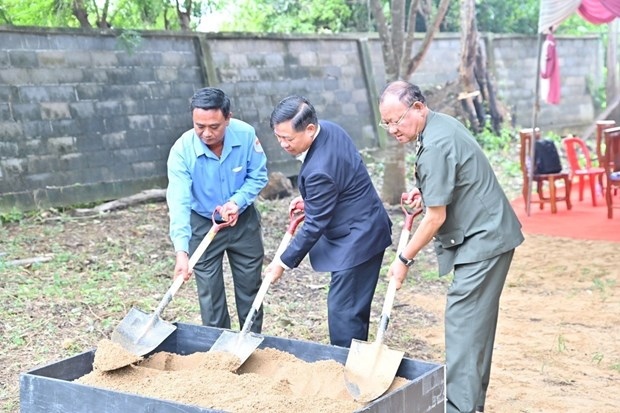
453, 171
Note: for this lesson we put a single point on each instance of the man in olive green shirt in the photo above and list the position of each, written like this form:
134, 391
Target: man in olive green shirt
474, 229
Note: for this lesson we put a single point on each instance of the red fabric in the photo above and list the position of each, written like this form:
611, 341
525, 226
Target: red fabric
550, 70
583, 221
596, 12
612, 5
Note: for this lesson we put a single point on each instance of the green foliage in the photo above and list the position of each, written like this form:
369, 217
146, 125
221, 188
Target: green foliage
289, 16
561, 344
598, 357
516, 16
46, 13
129, 40
505, 16
11, 217
490, 141
598, 92
499, 16
576, 25
121, 14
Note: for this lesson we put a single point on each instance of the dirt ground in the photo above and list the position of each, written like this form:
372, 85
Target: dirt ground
557, 342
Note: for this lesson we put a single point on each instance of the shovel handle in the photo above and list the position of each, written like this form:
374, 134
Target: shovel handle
409, 215
202, 247
402, 242
408, 223
391, 289
295, 220
387, 309
258, 300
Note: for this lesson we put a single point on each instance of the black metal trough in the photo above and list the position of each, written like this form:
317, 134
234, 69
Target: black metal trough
51, 389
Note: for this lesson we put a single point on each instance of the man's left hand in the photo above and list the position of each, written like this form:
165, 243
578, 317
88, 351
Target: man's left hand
398, 271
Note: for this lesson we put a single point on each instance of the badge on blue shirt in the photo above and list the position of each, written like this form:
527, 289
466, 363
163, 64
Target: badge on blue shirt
257, 146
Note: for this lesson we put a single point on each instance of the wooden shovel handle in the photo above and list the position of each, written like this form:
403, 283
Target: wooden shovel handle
391, 290
258, 301
387, 309
202, 247
295, 220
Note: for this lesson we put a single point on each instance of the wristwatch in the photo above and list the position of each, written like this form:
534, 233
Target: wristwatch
408, 262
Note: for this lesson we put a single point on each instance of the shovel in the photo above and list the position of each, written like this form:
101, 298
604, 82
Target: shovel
371, 367
140, 333
243, 344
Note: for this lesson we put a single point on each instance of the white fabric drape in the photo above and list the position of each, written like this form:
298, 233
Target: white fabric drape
554, 12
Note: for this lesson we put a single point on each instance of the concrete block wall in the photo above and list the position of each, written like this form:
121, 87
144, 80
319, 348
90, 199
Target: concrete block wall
258, 74
581, 67
83, 118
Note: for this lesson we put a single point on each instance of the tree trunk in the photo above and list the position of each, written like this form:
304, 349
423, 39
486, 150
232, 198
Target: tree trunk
469, 40
394, 184
184, 16
416, 60
397, 48
81, 14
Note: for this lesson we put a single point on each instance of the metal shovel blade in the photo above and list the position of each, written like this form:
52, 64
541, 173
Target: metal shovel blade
370, 369
241, 345
140, 333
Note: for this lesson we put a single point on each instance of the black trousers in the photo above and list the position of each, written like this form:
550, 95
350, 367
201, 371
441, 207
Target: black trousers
349, 300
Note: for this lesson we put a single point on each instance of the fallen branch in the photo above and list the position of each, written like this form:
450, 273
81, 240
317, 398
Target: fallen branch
149, 195
29, 261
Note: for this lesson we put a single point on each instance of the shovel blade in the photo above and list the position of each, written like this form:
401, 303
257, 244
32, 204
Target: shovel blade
370, 369
140, 333
240, 345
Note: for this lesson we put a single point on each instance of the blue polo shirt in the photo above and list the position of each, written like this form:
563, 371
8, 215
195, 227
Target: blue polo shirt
200, 181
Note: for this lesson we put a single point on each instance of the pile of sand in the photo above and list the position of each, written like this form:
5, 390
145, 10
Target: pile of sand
269, 381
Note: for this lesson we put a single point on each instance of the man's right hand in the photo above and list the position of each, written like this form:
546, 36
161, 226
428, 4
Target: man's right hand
274, 270
295, 204
181, 267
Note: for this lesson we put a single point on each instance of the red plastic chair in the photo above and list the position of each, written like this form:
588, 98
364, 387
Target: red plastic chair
580, 165
612, 166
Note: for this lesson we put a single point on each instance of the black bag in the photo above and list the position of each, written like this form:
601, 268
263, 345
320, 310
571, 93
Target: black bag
546, 158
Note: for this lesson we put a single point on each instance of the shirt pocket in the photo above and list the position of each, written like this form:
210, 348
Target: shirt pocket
451, 239
238, 176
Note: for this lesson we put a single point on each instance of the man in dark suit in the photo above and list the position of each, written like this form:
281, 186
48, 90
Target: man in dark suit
346, 228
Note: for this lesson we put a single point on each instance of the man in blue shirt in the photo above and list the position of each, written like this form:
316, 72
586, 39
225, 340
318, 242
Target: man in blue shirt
220, 162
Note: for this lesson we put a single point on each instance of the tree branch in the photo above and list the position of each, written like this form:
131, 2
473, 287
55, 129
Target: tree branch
430, 34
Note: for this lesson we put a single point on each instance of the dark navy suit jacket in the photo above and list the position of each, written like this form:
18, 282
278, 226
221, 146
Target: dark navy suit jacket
346, 223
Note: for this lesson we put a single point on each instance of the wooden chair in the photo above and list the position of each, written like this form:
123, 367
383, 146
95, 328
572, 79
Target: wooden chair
611, 138
601, 125
580, 165
552, 180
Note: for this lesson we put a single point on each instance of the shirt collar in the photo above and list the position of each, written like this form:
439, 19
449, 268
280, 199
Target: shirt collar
302, 156
230, 140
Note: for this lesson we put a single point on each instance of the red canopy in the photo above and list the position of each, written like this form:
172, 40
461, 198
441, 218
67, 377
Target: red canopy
554, 12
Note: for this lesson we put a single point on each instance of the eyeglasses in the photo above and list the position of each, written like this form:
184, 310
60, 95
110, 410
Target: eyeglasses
387, 126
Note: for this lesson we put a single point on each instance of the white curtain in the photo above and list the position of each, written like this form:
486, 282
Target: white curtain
554, 12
